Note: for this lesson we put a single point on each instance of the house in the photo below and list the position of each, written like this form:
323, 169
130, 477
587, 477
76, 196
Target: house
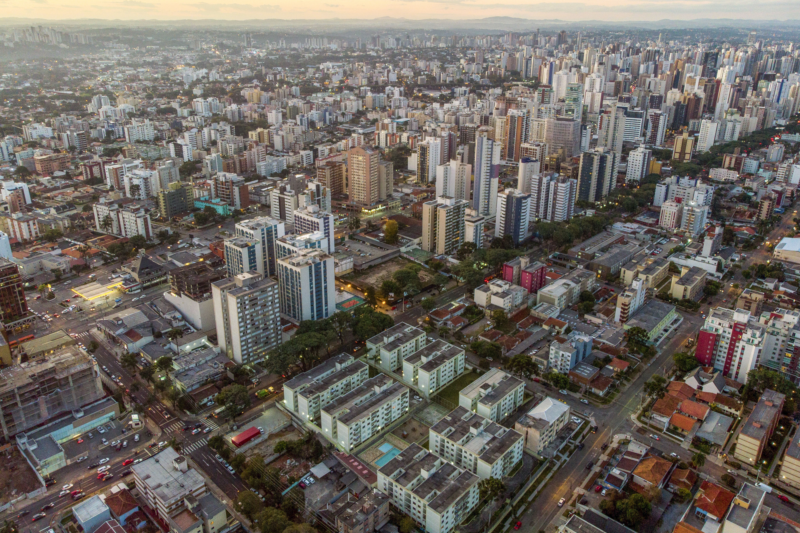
583, 373
695, 410
681, 424
715, 428
745, 511
652, 472
663, 409
618, 366
680, 390
601, 385
681, 478
122, 505
542, 423
712, 501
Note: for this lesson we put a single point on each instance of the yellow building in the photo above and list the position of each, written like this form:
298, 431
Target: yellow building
652, 270
689, 283
790, 469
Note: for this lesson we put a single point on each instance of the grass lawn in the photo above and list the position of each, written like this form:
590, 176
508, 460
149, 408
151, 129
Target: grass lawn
450, 393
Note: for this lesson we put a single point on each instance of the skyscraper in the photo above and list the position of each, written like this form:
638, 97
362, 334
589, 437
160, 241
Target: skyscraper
247, 314
552, 197
312, 219
487, 171
513, 215
429, 154
265, 230
454, 179
562, 133
243, 255
307, 285
362, 176
573, 101
597, 174
528, 168
638, 164
708, 133
443, 225
332, 175
516, 133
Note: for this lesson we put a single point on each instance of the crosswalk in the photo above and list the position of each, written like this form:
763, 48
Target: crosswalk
177, 427
195, 446
83, 334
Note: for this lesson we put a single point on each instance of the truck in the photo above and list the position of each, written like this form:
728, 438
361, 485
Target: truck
263, 393
245, 436
763, 486
218, 412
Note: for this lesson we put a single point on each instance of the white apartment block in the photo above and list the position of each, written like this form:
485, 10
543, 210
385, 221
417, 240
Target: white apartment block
23, 227
671, 214
307, 393
476, 444
731, 341
541, 424
495, 395
123, 221
165, 481
436, 494
638, 164
443, 225
434, 367
353, 418
391, 347
307, 285
500, 293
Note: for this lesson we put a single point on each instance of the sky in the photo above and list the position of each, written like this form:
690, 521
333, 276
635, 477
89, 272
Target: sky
608, 10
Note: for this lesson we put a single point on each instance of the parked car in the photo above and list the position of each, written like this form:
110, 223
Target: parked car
783, 498
103, 469
561, 502
563, 391
518, 525
103, 461
126, 462
136, 438
598, 488
584, 400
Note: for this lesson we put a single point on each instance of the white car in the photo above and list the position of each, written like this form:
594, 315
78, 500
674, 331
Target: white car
563, 391
561, 502
195, 431
673, 454
103, 461
103, 469
136, 438
82, 459
101, 429
67, 486
732, 472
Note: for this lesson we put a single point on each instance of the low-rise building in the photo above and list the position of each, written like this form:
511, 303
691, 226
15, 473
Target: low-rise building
91, 513
476, 444
654, 317
391, 347
165, 481
565, 353
759, 426
500, 294
541, 424
790, 469
205, 514
433, 367
745, 511
435, 493
689, 284
363, 514
307, 393
495, 395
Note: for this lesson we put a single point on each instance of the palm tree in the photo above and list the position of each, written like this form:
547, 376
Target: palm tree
128, 361
106, 224
699, 459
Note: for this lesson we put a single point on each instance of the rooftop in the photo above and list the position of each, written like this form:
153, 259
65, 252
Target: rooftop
476, 434
434, 355
89, 508
162, 476
548, 410
396, 336
491, 387
765, 413
650, 315
327, 382
746, 506
318, 372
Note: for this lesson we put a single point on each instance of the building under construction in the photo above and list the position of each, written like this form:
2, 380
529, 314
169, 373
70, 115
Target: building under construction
35, 392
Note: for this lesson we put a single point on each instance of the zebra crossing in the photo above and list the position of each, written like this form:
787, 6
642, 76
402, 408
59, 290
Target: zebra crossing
177, 427
83, 334
195, 446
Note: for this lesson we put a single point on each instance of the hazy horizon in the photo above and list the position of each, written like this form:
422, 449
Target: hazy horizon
620, 11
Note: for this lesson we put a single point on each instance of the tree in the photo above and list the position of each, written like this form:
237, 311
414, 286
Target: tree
56, 273
354, 223
164, 364
407, 524
500, 318
22, 172
656, 386
728, 480
234, 398
367, 322
440, 280
147, 373
491, 488
557, 379
523, 365
390, 232
465, 250
486, 349
305, 528
128, 361
684, 495
340, 322
428, 304
174, 333
370, 297
187, 169
469, 273
272, 520
9, 526
633, 511
249, 504
685, 362
699, 459
52, 235
139, 242
390, 288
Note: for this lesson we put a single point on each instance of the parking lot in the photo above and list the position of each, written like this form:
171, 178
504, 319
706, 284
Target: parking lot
103, 441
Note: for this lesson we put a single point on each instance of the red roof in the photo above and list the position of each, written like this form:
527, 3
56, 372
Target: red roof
714, 500
357, 467
122, 502
492, 335
244, 436
694, 409
682, 422
555, 323
619, 364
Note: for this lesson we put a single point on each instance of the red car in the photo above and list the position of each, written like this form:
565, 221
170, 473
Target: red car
518, 525
101, 475
597, 488
783, 498
80, 441
126, 462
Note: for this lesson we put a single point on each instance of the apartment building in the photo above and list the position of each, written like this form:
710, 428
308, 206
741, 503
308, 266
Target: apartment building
790, 469
443, 225
311, 219
433, 367
495, 395
266, 231
531, 276
758, 427
567, 352
435, 493
37, 391
243, 255
309, 392
541, 424
364, 513
500, 294
307, 285
649, 269
122, 219
231, 189
689, 284
567, 290
247, 316
191, 294
353, 418
165, 481
730, 341
513, 215
476, 444
391, 347
671, 215
13, 303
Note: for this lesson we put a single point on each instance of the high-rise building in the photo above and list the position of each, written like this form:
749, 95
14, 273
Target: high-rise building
443, 225
553, 197
429, 154
231, 189
177, 199
307, 285
573, 101
362, 176
638, 164
454, 179
630, 301
385, 180
473, 227
266, 231
708, 133
284, 201
487, 172
312, 219
332, 175
656, 127
611, 133
684, 146
315, 194
513, 215
694, 218
516, 131
13, 304
528, 169
243, 255
247, 314
730, 341
597, 174
562, 133
671, 215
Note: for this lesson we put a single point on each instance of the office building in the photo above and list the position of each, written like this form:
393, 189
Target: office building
429, 155
307, 393
487, 171
307, 285
638, 164
731, 341
332, 175
671, 215
391, 347
473, 227
759, 427
311, 220
247, 315
454, 179
265, 231
513, 215
176, 199
563, 134
165, 482
353, 418
433, 367
476, 444
443, 225
597, 174
436, 494
540, 426
362, 176
495, 395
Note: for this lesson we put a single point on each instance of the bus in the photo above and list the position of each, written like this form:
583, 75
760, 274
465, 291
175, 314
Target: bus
17, 342
218, 412
263, 393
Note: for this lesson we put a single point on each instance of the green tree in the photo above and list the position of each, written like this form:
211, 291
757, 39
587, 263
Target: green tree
685, 362
407, 524
187, 169
491, 488
272, 520
522, 365
164, 364
370, 297
9, 526
486, 349
52, 235
699, 459
354, 223
465, 250
391, 289
174, 333
656, 386
234, 398
340, 322
684, 495
248, 504
633, 510
557, 379
367, 322
390, 232
301, 528
428, 304
500, 318
129, 361
440, 280
469, 273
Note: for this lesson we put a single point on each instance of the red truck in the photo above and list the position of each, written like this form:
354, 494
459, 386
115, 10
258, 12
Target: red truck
245, 436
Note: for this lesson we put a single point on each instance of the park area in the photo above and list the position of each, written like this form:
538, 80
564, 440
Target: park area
449, 395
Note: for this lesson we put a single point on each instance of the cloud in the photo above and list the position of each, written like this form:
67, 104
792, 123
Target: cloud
206, 7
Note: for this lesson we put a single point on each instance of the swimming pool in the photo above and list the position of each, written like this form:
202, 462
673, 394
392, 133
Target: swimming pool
388, 456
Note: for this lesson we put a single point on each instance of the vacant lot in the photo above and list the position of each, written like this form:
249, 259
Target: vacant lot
376, 275
450, 393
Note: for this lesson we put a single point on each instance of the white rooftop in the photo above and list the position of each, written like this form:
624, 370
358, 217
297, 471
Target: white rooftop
86, 510
548, 410
789, 244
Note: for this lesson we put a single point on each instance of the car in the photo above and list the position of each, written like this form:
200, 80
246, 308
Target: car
103, 461
93, 465
136, 438
67, 486
605, 491
162, 444
101, 429
783, 498
74, 492
561, 502
48, 506
195, 431
104, 441
563, 391
119, 447
590, 465
137, 461
152, 445
581, 445
38, 516
126, 462
49, 482
63, 493
302, 484
102, 475
673, 454
125, 473
604, 446
108, 476
585, 401
79, 496
90, 435
187, 428
654, 437
207, 430
517, 525
103, 469
598, 488
198, 425
80, 441
261, 430
23, 513
125, 444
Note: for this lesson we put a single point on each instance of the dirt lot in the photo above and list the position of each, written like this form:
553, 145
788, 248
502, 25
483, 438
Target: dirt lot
18, 477
291, 468
376, 275
264, 449
412, 431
